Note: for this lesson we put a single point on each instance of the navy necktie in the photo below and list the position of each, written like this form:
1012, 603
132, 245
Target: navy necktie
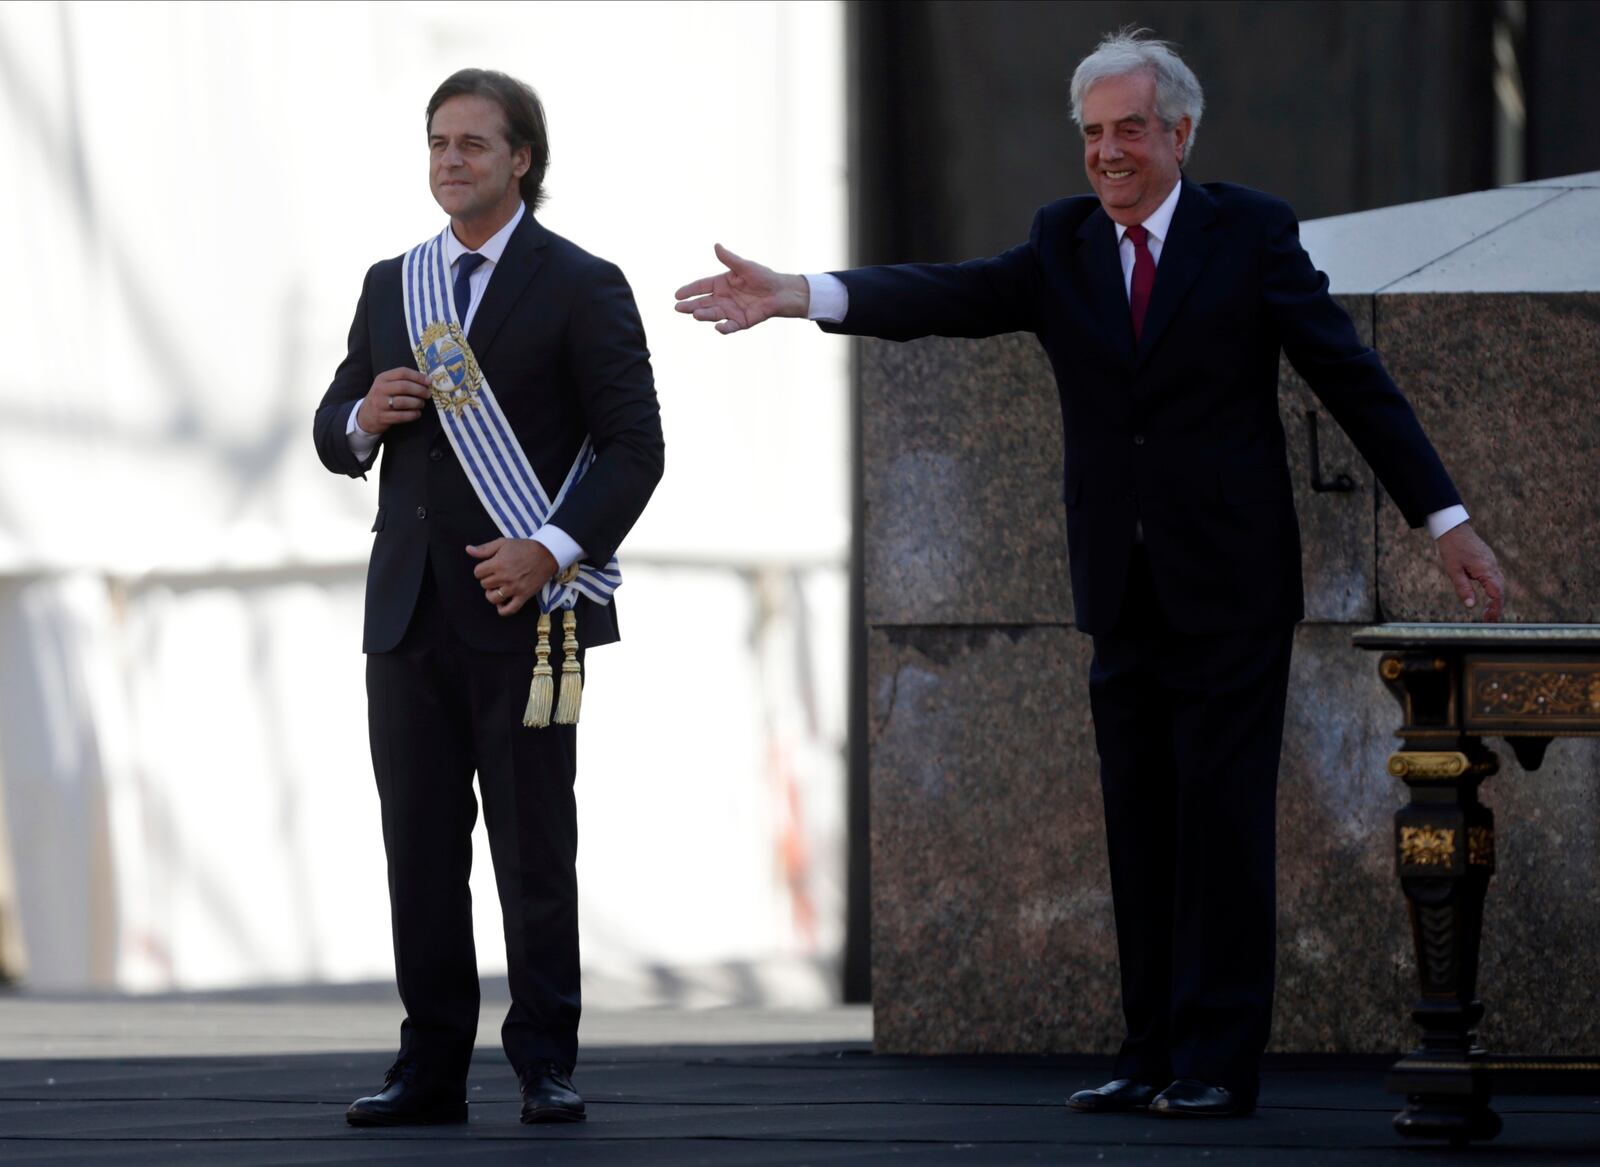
465, 266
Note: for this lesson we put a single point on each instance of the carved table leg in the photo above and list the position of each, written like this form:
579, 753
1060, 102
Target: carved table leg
1444, 840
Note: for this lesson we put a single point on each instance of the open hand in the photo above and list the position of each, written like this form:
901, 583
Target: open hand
744, 295
512, 571
1467, 560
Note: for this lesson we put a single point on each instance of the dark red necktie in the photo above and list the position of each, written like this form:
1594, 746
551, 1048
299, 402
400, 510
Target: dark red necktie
1144, 277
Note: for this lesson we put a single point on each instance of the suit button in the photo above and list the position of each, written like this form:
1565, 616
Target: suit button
435, 455
422, 512
1138, 439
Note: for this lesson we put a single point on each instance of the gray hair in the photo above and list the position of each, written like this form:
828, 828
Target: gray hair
1133, 50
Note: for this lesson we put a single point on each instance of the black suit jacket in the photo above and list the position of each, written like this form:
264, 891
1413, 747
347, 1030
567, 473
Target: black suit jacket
1179, 431
558, 337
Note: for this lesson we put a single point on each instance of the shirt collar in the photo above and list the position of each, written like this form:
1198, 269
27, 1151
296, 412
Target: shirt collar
493, 248
1160, 221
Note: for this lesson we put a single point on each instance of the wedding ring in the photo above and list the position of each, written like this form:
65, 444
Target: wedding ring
391, 403
501, 592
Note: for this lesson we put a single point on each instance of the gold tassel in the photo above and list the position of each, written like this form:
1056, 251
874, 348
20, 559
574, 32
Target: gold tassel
542, 689
571, 699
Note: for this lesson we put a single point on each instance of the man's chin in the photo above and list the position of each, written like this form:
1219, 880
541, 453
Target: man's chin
1121, 200
453, 202
1115, 196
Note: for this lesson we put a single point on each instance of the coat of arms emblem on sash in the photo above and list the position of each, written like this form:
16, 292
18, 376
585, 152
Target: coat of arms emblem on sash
446, 360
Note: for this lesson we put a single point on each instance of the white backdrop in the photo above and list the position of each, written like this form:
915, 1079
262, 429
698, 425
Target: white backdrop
195, 192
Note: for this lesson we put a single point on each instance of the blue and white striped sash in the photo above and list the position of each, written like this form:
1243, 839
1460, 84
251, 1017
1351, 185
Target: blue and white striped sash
477, 427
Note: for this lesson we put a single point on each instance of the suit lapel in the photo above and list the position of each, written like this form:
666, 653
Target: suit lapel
1100, 268
521, 259
1184, 253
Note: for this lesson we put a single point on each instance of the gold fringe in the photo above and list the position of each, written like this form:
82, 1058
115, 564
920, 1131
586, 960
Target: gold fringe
571, 699
542, 688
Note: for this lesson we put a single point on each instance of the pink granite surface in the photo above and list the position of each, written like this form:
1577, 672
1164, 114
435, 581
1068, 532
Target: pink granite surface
1508, 387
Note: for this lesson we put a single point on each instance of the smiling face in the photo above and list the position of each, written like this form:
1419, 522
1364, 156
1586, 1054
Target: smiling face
472, 169
1131, 157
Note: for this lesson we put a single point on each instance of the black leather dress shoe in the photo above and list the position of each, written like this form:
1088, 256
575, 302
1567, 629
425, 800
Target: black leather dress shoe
1188, 1098
548, 1096
410, 1098
1117, 1094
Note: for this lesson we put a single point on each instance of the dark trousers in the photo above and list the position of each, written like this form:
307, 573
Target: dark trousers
438, 711
1189, 729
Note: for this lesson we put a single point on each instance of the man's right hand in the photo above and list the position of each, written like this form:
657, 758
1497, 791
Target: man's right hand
744, 295
397, 396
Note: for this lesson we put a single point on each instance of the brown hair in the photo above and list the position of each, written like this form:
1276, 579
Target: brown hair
524, 119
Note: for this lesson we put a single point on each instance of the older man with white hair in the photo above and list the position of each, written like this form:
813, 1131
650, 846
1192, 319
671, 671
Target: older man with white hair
1163, 305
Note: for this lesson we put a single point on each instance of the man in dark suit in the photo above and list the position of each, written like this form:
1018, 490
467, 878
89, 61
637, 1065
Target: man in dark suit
1163, 305
452, 606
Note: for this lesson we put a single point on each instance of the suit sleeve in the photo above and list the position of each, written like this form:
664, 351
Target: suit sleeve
1321, 343
610, 365
982, 297
351, 381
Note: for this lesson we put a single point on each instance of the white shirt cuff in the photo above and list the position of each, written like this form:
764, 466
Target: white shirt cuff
830, 299
361, 442
1441, 521
560, 544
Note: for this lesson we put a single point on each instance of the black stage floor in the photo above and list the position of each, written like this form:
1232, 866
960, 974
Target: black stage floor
671, 1105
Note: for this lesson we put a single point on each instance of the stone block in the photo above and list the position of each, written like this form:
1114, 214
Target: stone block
1541, 920
961, 479
992, 925
1335, 528
992, 919
1505, 387
1346, 977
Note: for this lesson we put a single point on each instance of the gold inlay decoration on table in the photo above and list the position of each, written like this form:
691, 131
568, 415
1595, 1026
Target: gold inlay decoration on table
1427, 846
1480, 846
1566, 690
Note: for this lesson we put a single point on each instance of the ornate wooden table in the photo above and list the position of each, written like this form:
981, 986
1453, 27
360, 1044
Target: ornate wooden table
1458, 684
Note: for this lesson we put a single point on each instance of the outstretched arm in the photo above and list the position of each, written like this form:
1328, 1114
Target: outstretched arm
744, 295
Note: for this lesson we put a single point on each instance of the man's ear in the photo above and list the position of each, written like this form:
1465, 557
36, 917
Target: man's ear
522, 160
1181, 133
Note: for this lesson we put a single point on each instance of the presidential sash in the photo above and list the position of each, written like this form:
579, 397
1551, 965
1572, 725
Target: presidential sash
497, 468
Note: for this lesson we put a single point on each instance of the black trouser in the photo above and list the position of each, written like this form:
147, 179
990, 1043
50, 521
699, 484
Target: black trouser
1189, 729
437, 711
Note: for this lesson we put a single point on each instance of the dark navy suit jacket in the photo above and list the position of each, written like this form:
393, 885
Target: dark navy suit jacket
558, 337
1179, 431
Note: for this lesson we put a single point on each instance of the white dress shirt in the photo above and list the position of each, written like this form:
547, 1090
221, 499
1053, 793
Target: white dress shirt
830, 302
560, 544
1159, 225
